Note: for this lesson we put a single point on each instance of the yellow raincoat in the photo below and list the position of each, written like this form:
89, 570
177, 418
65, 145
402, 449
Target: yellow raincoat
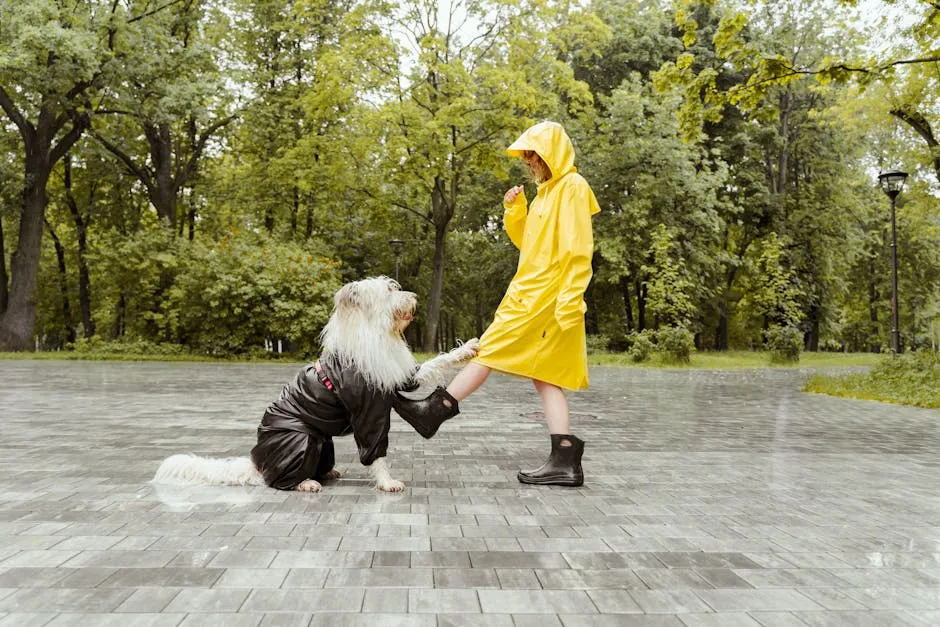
538, 329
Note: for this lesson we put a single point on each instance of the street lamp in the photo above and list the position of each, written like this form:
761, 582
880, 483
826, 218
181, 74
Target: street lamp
396, 245
892, 183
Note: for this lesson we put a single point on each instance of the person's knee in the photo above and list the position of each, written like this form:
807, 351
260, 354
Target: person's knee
545, 387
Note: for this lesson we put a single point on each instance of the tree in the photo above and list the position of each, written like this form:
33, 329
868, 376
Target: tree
56, 62
174, 99
463, 96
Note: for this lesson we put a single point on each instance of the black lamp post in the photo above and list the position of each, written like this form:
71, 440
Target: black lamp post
396, 245
892, 183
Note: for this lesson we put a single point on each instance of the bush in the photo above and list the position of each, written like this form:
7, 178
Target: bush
831, 345
784, 344
96, 345
597, 344
675, 344
641, 346
236, 293
909, 379
619, 341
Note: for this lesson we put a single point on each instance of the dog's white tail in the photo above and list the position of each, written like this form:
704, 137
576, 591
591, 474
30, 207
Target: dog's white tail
193, 469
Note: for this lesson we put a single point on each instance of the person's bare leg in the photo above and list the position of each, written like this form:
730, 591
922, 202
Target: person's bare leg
468, 380
556, 408
564, 463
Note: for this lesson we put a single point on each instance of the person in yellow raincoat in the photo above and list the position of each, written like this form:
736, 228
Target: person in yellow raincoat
538, 330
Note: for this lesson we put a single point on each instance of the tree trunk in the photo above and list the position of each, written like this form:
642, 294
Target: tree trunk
591, 324
443, 201
721, 342
163, 191
294, 211
640, 306
117, 329
627, 302
721, 334
812, 342
19, 320
81, 230
875, 345
4, 280
437, 284
63, 287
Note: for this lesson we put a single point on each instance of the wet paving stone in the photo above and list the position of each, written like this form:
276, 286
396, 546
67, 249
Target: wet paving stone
711, 498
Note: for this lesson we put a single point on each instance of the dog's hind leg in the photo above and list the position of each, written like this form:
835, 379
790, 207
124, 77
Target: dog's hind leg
326, 467
308, 485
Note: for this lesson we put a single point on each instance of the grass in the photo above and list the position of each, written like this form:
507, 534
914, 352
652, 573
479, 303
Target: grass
726, 360
105, 356
912, 379
705, 360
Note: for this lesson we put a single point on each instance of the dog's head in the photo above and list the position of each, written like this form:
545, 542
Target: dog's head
379, 302
365, 330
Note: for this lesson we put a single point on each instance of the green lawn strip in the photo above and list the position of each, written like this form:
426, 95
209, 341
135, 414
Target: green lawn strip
715, 360
105, 356
908, 380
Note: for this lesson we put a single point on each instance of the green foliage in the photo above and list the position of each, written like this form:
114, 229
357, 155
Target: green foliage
641, 346
736, 192
597, 344
675, 344
908, 379
784, 344
773, 292
669, 286
236, 293
134, 348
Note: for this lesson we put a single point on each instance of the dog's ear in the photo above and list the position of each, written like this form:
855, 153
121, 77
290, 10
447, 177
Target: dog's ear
348, 297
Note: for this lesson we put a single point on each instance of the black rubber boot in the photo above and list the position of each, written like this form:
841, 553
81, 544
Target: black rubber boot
563, 466
428, 414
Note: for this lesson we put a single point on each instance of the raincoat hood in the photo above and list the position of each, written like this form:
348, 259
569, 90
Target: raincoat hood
552, 144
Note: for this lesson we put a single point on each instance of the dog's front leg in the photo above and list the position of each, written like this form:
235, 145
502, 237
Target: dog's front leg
383, 478
433, 372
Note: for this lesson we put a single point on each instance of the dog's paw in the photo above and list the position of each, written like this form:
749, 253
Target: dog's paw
467, 350
308, 485
389, 485
332, 474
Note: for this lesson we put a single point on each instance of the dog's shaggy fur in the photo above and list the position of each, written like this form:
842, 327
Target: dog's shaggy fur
363, 336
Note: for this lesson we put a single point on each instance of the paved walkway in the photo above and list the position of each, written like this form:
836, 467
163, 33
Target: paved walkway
712, 498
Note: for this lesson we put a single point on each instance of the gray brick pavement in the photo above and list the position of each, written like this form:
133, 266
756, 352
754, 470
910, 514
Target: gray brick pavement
712, 498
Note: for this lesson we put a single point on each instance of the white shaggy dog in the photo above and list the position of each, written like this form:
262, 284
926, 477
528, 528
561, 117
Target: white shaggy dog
351, 389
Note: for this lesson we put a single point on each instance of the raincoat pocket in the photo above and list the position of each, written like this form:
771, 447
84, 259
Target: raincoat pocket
512, 306
567, 316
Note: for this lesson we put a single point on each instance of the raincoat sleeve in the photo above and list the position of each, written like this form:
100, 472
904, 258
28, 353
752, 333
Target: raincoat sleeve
514, 219
575, 249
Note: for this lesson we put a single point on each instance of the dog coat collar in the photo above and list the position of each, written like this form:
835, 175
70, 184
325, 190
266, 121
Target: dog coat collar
325, 380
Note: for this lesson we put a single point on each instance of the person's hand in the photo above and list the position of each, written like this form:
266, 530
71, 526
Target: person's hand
512, 193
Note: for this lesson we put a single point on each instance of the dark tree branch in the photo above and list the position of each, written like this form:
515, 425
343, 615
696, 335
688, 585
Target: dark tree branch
480, 140
395, 203
153, 12
138, 171
413, 211
80, 123
921, 126
6, 103
794, 71
200, 145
